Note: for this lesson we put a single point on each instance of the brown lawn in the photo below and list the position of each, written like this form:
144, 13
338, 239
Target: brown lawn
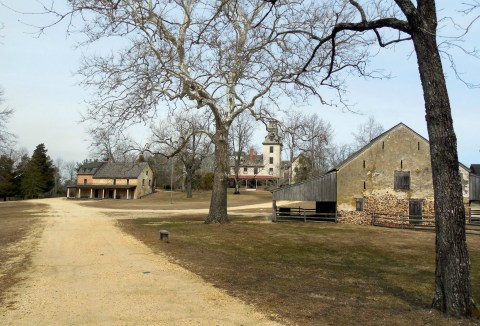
314, 273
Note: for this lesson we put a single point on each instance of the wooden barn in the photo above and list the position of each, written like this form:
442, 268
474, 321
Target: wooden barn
391, 175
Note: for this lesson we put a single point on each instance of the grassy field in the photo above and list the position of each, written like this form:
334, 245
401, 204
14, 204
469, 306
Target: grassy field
311, 274
19, 223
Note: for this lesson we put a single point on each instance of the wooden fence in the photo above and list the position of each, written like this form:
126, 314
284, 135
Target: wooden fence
472, 221
305, 214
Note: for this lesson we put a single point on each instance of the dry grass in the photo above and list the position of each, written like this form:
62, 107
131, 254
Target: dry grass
177, 200
311, 274
18, 221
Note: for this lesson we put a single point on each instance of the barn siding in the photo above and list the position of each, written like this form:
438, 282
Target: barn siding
322, 189
474, 187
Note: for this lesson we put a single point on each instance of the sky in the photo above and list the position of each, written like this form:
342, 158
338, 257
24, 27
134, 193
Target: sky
38, 77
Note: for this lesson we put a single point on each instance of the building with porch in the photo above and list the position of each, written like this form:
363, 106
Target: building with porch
264, 169
108, 180
390, 175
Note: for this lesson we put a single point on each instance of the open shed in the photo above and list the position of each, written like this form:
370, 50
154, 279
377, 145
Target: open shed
322, 190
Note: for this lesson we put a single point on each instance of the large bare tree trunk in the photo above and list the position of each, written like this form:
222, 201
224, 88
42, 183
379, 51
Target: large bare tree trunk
453, 294
188, 182
218, 203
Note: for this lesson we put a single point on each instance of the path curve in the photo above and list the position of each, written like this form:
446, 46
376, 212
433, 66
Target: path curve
85, 271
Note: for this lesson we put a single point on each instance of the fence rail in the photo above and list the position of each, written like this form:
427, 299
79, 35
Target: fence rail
472, 222
305, 214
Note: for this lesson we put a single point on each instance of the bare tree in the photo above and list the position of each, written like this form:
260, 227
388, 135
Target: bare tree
386, 23
221, 56
290, 129
315, 136
309, 135
6, 138
110, 144
366, 132
186, 136
240, 142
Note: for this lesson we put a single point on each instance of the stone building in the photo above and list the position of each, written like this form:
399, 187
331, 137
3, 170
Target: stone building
260, 169
108, 180
390, 175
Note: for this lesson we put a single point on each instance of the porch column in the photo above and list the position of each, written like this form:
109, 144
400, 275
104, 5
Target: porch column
79, 192
91, 193
115, 193
128, 193
103, 193
68, 192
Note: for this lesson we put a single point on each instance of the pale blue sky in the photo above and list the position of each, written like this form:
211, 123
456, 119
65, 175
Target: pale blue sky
37, 75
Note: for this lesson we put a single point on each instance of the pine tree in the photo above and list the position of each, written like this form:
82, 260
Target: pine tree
39, 175
7, 177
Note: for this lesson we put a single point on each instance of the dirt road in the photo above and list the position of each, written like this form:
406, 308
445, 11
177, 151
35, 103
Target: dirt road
87, 272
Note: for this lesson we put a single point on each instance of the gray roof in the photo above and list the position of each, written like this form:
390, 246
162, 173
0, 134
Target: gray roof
475, 168
90, 168
120, 170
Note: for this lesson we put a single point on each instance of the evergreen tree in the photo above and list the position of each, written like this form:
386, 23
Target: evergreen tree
39, 175
7, 177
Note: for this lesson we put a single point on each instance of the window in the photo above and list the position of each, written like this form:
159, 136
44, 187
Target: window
270, 171
128, 182
149, 182
271, 160
255, 171
147, 172
114, 181
364, 164
271, 149
143, 182
402, 180
245, 170
359, 204
84, 181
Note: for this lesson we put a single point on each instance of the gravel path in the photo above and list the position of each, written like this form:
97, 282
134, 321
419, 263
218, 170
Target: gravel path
85, 271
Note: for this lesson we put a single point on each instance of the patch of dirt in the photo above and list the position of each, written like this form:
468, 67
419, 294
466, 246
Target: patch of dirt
85, 271
21, 226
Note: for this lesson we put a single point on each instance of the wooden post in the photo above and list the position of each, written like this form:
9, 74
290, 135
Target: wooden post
115, 193
91, 193
128, 193
79, 192
68, 192
274, 210
103, 193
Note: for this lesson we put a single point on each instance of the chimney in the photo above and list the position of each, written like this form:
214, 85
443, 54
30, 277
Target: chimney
251, 154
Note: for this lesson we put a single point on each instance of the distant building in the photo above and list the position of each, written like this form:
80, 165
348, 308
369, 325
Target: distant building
108, 180
260, 169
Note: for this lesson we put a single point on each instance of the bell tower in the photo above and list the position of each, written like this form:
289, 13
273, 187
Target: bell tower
272, 151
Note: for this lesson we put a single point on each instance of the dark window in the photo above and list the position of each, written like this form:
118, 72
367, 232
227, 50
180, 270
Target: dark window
359, 204
364, 185
364, 164
255, 171
271, 149
383, 145
271, 171
271, 160
143, 182
401, 164
128, 182
147, 172
114, 181
84, 181
402, 180
418, 145
245, 170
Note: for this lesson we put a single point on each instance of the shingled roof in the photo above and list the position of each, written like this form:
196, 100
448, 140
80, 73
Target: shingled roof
90, 168
120, 170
